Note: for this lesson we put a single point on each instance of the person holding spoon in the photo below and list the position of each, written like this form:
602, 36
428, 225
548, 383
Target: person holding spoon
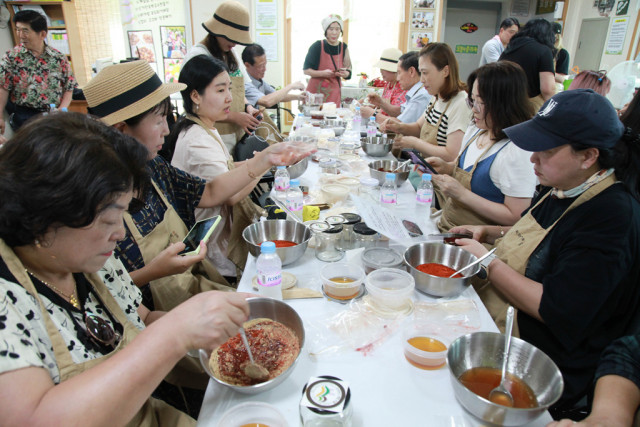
570, 264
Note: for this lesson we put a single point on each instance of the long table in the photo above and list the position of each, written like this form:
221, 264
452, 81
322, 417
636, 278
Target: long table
385, 389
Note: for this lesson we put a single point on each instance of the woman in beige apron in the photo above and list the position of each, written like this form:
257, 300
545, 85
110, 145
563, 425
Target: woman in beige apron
570, 264
475, 192
62, 317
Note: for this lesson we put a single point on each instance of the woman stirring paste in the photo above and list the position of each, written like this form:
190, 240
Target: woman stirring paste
78, 347
492, 180
443, 125
199, 150
328, 62
570, 265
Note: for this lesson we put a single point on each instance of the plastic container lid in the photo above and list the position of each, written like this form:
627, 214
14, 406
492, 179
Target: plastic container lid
362, 228
369, 182
351, 218
337, 228
390, 176
381, 257
268, 248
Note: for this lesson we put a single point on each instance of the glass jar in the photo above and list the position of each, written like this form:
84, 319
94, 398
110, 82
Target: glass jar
334, 409
347, 239
330, 166
363, 236
328, 244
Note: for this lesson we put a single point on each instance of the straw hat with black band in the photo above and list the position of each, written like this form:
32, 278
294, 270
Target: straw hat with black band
122, 91
231, 21
389, 60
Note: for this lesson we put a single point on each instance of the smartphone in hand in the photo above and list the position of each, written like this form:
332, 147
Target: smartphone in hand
417, 159
199, 232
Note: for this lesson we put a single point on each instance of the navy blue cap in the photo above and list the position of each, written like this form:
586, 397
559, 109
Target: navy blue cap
580, 116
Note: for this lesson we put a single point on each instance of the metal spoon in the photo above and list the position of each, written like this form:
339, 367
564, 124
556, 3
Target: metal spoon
401, 165
473, 263
252, 369
500, 394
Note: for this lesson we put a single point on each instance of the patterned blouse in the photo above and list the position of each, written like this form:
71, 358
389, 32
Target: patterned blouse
395, 94
24, 341
36, 81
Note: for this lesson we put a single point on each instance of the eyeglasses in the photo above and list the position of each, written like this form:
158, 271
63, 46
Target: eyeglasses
471, 103
100, 330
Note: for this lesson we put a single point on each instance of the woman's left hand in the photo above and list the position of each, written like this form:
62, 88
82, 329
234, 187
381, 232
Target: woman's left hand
449, 186
472, 246
342, 73
402, 141
284, 154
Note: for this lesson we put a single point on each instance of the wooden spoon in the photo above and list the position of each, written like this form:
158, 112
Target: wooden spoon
252, 369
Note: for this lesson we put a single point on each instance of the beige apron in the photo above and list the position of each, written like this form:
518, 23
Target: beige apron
455, 213
244, 213
518, 244
154, 412
429, 133
231, 132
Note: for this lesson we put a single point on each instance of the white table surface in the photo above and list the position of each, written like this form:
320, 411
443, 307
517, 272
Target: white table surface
385, 389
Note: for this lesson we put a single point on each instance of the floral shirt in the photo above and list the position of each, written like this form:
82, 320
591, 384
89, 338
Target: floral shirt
24, 340
395, 94
36, 81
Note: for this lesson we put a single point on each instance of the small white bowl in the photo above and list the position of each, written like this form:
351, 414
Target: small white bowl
252, 413
352, 183
390, 288
425, 336
338, 289
334, 192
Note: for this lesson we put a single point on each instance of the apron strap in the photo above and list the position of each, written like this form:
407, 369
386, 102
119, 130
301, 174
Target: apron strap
128, 219
471, 140
230, 164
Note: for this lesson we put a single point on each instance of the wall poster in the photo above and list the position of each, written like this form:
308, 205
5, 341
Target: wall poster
141, 45
173, 41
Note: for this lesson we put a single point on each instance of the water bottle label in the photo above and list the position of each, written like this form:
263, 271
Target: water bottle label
424, 195
282, 183
388, 197
269, 280
295, 205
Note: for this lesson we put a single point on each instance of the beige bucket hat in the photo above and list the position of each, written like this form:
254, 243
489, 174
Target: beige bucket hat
231, 21
122, 91
389, 60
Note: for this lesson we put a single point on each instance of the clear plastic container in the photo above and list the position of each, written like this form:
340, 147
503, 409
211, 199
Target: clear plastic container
253, 413
377, 257
342, 280
424, 347
390, 288
347, 239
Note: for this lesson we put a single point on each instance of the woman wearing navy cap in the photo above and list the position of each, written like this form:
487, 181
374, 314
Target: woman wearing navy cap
569, 265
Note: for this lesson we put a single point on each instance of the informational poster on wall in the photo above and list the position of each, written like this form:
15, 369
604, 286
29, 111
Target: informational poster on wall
617, 34
266, 18
155, 32
422, 28
269, 42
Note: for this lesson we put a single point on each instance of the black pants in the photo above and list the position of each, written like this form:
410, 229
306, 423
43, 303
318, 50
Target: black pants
18, 115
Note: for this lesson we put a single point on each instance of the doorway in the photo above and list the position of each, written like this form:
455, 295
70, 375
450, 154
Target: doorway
593, 34
468, 46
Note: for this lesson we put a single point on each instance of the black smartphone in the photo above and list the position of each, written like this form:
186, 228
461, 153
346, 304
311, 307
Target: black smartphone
417, 159
199, 232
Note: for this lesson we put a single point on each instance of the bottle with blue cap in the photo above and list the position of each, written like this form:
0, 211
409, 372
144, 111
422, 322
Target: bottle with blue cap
295, 198
356, 124
281, 182
269, 268
424, 193
388, 191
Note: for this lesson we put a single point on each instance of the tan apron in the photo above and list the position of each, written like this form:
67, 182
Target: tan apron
244, 213
429, 133
518, 244
154, 412
455, 213
231, 132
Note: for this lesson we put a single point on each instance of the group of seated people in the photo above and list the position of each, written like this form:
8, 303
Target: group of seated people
95, 295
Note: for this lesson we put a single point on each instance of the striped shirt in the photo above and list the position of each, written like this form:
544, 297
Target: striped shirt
455, 115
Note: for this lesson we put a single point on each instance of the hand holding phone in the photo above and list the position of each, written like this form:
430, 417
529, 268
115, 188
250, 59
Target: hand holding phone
200, 232
417, 159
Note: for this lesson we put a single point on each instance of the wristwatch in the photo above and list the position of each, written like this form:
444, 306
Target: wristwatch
484, 264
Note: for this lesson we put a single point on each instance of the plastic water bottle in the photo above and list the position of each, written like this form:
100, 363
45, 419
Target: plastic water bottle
269, 269
281, 182
372, 129
297, 124
357, 120
64, 110
52, 108
388, 191
424, 193
295, 198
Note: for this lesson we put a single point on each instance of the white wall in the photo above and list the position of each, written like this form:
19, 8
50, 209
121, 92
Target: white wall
6, 43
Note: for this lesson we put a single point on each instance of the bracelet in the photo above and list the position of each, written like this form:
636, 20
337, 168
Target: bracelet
251, 174
501, 231
245, 107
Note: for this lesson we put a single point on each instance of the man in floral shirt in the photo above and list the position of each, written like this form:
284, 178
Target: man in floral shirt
32, 74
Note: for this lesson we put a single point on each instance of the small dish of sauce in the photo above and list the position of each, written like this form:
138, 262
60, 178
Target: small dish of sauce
425, 352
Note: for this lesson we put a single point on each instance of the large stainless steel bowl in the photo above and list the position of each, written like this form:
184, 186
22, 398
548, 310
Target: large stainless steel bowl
338, 125
449, 255
376, 146
485, 350
297, 169
271, 309
278, 229
388, 165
